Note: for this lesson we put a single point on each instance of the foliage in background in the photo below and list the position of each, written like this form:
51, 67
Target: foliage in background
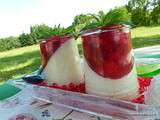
9, 43
37, 33
155, 14
79, 22
26, 40
144, 12
41, 31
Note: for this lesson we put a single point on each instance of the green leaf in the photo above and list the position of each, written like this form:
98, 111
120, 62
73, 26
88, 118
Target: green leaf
118, 15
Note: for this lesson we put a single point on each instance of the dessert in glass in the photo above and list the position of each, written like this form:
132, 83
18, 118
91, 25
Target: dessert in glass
60, 60
109, 65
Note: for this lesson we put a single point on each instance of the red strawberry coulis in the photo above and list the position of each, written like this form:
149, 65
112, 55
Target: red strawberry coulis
108, 52
49, 46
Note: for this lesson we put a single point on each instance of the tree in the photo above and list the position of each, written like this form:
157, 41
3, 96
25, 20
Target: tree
80, 21
140, 11
26, 39
41, 31
9, 43
155, 14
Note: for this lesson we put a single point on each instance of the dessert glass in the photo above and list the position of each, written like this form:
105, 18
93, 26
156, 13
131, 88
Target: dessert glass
60, 61
109, 65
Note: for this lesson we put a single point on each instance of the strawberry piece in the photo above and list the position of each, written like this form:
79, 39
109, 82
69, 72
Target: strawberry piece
71, 87
82, 87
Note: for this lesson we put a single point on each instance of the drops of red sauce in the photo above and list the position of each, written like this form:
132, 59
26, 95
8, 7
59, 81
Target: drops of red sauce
69, 87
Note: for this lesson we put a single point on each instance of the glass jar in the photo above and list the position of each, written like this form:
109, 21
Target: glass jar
60, 60
109, 63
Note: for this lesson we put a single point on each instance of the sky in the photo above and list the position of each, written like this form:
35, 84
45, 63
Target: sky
16, 16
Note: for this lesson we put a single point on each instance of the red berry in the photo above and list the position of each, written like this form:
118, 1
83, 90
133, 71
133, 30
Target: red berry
64, 87
71, 87
82, 87
144, 83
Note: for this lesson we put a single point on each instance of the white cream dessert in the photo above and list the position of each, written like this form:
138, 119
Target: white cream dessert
124, 88
63, 67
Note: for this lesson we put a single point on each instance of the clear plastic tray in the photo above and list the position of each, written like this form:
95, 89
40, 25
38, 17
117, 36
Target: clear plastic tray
99, 106
106, 108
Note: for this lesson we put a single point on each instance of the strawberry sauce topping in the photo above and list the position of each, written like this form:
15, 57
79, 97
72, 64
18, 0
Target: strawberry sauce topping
49, 46
108, 52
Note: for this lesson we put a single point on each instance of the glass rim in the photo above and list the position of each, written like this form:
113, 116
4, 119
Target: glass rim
56, 37
101, 30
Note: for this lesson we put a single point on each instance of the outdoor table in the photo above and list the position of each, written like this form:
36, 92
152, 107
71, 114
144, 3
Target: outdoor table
16, 99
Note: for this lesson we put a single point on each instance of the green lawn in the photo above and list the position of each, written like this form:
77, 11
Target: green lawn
145, 36
17, 62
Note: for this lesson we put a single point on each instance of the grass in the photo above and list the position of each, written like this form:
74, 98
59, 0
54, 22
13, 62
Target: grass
18, 62
146, 36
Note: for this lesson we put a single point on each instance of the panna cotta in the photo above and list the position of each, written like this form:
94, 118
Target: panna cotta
61, 61
109, 65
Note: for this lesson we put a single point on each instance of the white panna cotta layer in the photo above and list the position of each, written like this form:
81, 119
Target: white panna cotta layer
64, 65
126, 88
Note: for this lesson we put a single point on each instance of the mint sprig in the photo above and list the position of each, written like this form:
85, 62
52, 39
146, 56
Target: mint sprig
118, 15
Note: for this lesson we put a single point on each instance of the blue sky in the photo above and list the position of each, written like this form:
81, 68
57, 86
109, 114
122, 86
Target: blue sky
16, 16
